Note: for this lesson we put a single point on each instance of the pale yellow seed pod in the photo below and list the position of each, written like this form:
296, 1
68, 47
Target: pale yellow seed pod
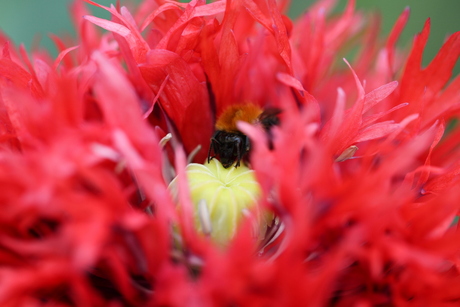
221, 197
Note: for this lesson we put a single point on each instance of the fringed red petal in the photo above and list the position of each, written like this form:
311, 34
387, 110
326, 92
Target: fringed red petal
361, 175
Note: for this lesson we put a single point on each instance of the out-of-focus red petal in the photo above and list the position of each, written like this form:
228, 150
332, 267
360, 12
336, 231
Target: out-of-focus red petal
113, 27
376, 131
84, 198
148, 174
377, 95
274, 24
32, 71
123, 26
89, 38
437, 138
184, 98
418, 86
116, 95
372, 118
393, 38
12, 72
351, 123
192, 10
165, 7
62, 55
444, 181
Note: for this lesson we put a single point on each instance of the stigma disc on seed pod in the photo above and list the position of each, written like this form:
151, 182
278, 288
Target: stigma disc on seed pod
221, 198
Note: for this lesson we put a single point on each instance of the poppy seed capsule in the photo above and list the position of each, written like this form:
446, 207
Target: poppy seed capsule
221, 197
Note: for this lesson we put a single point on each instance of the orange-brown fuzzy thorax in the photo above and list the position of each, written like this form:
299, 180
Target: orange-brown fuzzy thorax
239, 112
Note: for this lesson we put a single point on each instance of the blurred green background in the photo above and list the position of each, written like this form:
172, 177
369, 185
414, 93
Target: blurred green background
30, 21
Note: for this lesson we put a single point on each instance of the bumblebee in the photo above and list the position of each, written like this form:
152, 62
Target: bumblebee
229, 144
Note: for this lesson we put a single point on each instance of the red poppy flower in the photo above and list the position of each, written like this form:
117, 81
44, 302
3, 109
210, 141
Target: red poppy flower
360, 178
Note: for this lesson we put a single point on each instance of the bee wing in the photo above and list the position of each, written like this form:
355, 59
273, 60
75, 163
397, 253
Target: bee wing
269, 118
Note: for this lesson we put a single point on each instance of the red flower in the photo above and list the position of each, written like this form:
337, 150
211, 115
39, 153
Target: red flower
362, 178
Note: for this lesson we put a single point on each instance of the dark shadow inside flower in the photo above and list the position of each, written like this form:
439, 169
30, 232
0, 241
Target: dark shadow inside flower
44, 227
61, 294
350, 199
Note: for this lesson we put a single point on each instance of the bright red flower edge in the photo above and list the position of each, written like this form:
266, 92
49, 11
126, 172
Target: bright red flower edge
363, 177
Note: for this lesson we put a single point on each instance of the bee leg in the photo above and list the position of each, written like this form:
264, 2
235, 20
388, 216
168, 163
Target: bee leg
209, 151
241, 149
238, 152
247, 145
212, 146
